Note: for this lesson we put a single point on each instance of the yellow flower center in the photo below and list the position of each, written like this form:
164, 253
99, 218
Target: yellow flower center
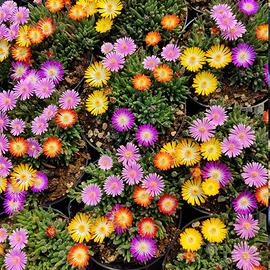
254, 174
128, 154
245, 255
194, 191
246, 225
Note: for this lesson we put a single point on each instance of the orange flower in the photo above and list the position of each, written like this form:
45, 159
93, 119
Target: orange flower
21, 53
141, 82
52, 147
66, 118
190, 256
35, 35
266, 117
152, 38
163, 161
123, 218
142, 197
262, 195
163, 73
196, 172
77, 13
18, 147
54, 5
46, 26
78, 256
67, 2
169, 22
262, 32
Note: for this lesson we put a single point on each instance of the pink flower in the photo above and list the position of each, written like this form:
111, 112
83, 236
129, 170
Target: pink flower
170, 52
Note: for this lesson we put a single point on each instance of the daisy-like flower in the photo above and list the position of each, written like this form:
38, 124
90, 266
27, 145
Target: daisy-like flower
193, 58
4, 144
17, 126
15, 260
202, 129
191, 239
113, 61
44, 88
151, 62
163, 161
211, 150
141, 82
3, 185
123, 218
216, 115
205, 83
231, 147
97, 75
12, 205
46, 26
262, 32
125, 46
78, 256
4, 121
52, 147
97, 103
7, 101
142, 197
35, 35
21, 53
4, 49
218, 56
143, 249
246, 226
105, 162
100, 229
170, 52
147, 227
214, 230
167, 204
109, 8
245, 203
163, 73
91, 195
234, 32
104, 25
244, 134
18, 147
146, 135
152, 38
52, 70
77, 12
49, 112
246, 257
170, 22
4, 16
113, 186
243, 55
192, 192
3, 28
32, 76
23, 39
128, 154
69, 99
39, 125
18, 239
40, 182
66, 118
255, 174
14, 192
132, 173
24, 89
34, 148
106, 48
123, 119
3, 235
248, 7
20, 16
210, 187
219, 10
154, 184
54, 5
12, 32
170, 148
262, 195
5, 166
226, 21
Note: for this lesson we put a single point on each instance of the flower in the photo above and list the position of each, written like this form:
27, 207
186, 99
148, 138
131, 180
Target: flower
218, 56
147, 227
17, 126
69, 99
244, 203
154, 184
91, 195
246, 226
46, 26
39, 125
12, 205
193, 58
191, 239
210, 187
23, 37
4, 49
143, 249
4, 121
192, 192
105, 162
5, 166
163, 161
109, 8
34, 148
3, 186
104, 25
167, 204
216, 115
18, 146
146, 135
44, 88
15, 260
170, 22
243, 55
3, 29
20, 53
123, 218
89, 6
170, 52
205, 83
7, 101
3, 235
49, 112
226, 21
35, 35
211, 150
132, 173
219, 10
20, 16
141, 82
248, 7
101, 228
18, 239
97, 103
97, 75
4, 144
152, 38
32, 76
141, 196
50, 232
18, 69
244, 134
128, 154
151, 62
201, 129
78, 256
40, 182
245, 256
106, 48
214, 230
163, 73
188, 152
123, 119
231, 147
79, 228
234, 32
52, 70
125, 46
14, 192
24, 89
262, 195
52, 147
66, 118
77, 12
113, 186
113, 61
262, 32
255, 174
12, 32
54, 5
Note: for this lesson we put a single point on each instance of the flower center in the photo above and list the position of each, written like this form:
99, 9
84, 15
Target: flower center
245, 255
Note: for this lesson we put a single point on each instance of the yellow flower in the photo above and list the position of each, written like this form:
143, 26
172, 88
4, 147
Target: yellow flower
219, 56
79, 228
4, 49
210, 187
104, 25
193, 59
23, 39
3, 184
211, 150
90, 6
109, 8
205, 83
97, 103
97, 75
191, 239
192, 192
187, 152
100, 229
214, 230
170, 148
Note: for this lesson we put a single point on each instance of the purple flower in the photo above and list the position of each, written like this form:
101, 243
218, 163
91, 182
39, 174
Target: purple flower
216, 115
202, 129
125, 46
114, 61
12, 205
52, 70
4, 16
3, 29
245, 203
34, 148
219, 10
39, 125
234, 32
32, 76
12, 32
44, 88
40, 183
20, 16
243, 55
13, 192
132, 173
153, 183
7, 101
231, 147
18, 239
5, 166
106, 48
128, 154
255, 174
113, 186
146, 135
266, 71
15, 260
123, 119
151, 62
244, 134
249, 7
4, 144
170, 52
246, 226
105, 162
3, 235
91, 195
49, 112
24, 89
4, 121
10, 5
226, 21
69, 99
17, 126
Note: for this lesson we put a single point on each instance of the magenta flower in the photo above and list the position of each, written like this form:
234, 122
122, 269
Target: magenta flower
69, 99
146, 135
231, 147
44, 88
105, 162
128, 154
216, 115
4, 144
3, 29
234, 32
39, 125
154, 184
41, 182
113, 186
7, 101
4, 16
21, 15
10, 5
266, 71
49, 112
24, 89
202, 129
243, 55
15, 260
114, 61
226, 21
244, 134
91, 195
170, 52
255, 174
17, 126
246, 226
32, 76
246, 257
12, 32
4, 121
34, 148
125, 46
5, 166
3, 235
12, 205
132, 173
151, 62
248, 7
52, 70
18, 239
13, 192
123, 119
220, 10
106, 48
245, 203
